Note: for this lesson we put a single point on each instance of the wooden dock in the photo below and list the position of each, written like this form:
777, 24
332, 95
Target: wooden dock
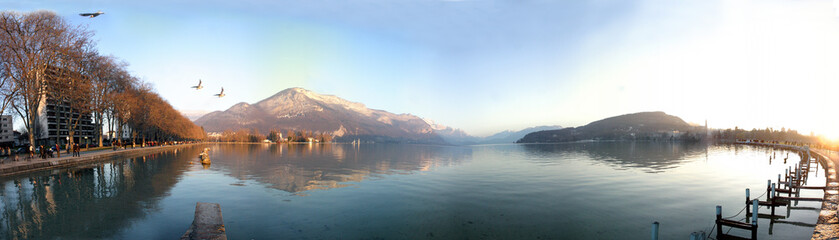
785, 191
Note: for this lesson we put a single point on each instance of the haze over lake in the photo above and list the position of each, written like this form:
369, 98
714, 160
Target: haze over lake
536, 191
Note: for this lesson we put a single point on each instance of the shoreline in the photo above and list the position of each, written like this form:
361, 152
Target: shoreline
38, 164
827, 227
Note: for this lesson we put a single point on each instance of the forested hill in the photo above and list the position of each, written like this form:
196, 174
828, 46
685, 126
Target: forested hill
635, 126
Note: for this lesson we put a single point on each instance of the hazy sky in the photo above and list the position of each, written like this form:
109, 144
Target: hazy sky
485, 66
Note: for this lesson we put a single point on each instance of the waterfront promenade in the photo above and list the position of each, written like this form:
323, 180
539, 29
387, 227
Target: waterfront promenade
827, 226
24, 165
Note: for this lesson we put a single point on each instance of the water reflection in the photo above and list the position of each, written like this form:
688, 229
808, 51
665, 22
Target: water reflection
302, 167
651, 157
95, 201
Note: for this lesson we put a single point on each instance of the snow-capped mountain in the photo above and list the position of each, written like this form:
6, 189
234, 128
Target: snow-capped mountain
301, 109
451, 135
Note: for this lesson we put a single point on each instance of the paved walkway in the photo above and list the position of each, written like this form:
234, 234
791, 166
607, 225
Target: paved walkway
23, 165
827, 226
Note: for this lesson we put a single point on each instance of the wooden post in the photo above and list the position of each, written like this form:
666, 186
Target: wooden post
798, 176
768, 186
754, 220
655, 231
789, 183
779, 180
748, 200
773, 200
719, 219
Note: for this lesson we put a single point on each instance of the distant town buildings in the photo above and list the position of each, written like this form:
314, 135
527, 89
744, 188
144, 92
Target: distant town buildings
126, 134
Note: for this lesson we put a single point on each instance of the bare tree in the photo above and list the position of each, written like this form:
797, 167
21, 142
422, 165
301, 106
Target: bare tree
31, 44
106, 70
46, 63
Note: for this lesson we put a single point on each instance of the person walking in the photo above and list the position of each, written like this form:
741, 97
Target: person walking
78, 150
57, 151
31, 152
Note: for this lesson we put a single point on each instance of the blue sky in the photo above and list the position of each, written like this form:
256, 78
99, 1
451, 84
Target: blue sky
486, 66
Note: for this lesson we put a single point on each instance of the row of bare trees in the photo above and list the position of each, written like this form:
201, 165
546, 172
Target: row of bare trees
45, 59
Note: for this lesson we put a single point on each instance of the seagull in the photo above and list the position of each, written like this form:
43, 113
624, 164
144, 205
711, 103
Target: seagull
198, 87
221, 94
91, 15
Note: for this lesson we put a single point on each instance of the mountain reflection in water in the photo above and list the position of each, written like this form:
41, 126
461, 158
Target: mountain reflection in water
651, 157
302, 167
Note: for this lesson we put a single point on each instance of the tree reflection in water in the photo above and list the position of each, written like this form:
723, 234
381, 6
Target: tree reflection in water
651, 157
99, 199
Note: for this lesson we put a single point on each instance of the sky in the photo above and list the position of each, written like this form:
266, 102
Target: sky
486, 66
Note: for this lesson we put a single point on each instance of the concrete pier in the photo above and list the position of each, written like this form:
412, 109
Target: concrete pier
207, 223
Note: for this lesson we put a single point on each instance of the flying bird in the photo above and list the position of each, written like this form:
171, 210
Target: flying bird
198, 87
221, 94
91, 15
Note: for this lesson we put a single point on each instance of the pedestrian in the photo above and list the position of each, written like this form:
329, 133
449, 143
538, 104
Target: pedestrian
31, 152
57, 150
76, 150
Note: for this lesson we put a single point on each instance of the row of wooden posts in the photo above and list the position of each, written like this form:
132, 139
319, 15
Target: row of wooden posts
794, 180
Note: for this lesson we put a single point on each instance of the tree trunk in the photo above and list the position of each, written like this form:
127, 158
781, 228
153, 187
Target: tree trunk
31, 128
99, 130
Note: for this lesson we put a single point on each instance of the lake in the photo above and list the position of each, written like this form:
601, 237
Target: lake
609, 190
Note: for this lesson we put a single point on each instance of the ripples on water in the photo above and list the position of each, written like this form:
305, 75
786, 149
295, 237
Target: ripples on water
566, 191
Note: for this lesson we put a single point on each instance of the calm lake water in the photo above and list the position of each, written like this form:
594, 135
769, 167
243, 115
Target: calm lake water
379, 191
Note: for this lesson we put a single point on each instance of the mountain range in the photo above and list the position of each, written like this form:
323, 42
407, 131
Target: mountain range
635, 126
299, 109
303, 110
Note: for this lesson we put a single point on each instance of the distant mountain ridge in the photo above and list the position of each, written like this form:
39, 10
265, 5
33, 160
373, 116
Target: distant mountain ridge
511, 136
301, 109
635, 126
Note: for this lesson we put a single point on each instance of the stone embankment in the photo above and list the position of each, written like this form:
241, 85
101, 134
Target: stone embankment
827, 226
9, 167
